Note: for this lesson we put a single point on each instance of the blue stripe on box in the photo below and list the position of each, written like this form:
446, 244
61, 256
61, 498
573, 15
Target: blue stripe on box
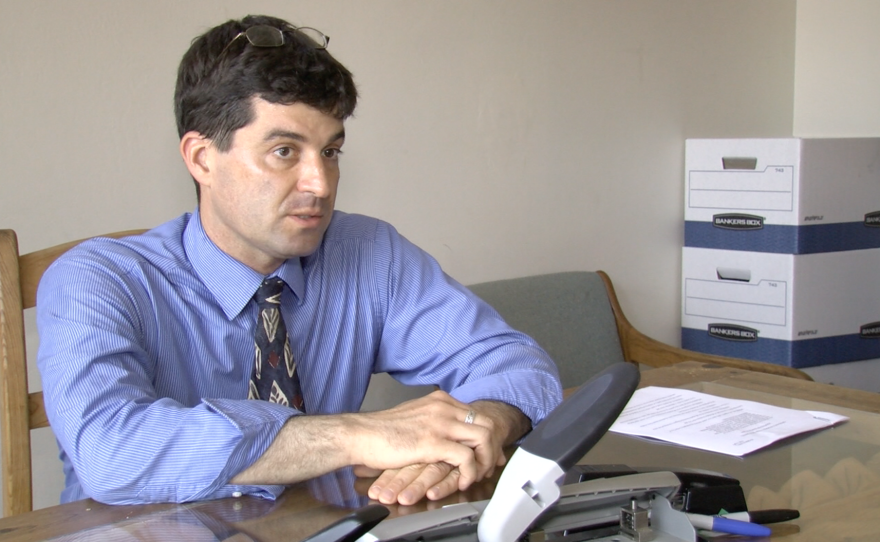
798, 354
778, 239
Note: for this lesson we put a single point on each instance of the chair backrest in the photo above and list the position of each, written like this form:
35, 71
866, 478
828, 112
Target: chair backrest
568, 314
21, 411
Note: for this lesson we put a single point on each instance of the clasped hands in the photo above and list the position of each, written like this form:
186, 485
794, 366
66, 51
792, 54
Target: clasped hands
425, 448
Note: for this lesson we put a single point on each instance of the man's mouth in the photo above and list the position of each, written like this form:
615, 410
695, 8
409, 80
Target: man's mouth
307, 214
308, 219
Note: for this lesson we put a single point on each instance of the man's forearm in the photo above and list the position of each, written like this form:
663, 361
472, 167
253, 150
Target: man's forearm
430, 429
305, 447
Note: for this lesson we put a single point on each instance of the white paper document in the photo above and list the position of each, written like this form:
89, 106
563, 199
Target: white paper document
717, 424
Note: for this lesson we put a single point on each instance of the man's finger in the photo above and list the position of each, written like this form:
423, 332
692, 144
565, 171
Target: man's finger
431, 476
445, 487
389, 489
479, 439
381, 482
409, 485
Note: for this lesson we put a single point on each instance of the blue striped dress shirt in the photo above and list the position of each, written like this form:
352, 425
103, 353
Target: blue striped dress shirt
146, 350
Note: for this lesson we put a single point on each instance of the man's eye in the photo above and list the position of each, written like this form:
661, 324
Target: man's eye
284, 152
332, 153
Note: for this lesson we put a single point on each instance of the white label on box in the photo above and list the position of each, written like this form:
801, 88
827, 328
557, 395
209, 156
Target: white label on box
769, 190
762, 303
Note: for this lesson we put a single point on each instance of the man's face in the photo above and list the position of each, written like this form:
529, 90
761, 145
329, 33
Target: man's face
270, 197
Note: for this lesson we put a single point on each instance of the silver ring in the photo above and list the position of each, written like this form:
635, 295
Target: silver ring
470, 416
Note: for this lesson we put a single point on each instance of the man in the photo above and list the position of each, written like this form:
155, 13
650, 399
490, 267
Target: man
148, 353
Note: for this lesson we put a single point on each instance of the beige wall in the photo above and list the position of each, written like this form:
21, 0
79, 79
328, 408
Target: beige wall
506, 137
837, 75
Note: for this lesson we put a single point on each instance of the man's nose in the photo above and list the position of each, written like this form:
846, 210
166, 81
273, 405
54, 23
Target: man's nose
314, 177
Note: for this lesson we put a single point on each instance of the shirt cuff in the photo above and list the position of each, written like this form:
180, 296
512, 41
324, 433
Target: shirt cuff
258, 423
269, 492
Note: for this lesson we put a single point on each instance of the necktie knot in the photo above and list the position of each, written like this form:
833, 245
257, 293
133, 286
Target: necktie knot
269, 292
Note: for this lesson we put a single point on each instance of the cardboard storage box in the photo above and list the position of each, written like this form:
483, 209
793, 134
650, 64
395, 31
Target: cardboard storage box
788, 196
795, 310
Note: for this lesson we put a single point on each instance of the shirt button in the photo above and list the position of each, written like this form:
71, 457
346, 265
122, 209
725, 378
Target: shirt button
236, 493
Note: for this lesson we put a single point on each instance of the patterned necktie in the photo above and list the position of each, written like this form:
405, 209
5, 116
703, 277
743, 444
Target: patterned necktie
275, 378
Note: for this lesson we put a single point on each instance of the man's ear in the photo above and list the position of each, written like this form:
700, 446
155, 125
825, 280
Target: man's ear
194, 148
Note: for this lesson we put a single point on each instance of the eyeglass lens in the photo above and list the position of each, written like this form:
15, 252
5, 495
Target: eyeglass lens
316, 38
264, 36
269, 36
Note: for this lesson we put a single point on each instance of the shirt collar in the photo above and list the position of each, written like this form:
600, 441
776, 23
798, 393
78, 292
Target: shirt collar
231, 282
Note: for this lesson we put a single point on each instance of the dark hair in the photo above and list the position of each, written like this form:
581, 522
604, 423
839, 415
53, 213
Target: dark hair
218, 77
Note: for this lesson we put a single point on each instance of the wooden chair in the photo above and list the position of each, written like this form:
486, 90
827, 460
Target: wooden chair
577, 318
21, 411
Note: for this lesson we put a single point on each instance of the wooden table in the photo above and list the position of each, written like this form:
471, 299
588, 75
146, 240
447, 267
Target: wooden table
831, 476
813, 467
